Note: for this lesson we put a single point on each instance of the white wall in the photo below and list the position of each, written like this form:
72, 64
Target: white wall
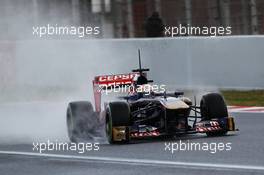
224, 62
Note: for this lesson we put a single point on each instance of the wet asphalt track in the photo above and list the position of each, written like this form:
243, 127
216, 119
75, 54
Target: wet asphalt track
147, 156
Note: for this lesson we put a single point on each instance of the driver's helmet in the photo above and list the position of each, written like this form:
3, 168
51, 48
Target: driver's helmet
142, 79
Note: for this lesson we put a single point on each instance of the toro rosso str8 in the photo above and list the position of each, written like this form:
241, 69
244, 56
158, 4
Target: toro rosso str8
141, 115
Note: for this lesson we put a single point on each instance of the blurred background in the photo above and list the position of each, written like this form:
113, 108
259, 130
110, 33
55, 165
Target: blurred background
126, 18
116, 19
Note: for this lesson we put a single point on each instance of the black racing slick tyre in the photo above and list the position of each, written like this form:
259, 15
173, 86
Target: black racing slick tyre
78, 115
117, 115
213, 106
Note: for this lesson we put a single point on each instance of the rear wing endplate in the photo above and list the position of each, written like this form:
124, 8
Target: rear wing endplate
103, 82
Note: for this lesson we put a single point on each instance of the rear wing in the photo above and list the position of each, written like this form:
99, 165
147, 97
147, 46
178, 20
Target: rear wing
104, 82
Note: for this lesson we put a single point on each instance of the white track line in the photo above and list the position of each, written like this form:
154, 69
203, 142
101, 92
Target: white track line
140, 161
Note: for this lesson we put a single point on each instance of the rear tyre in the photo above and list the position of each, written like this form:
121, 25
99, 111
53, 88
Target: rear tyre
213, 106
117, 115
78, 115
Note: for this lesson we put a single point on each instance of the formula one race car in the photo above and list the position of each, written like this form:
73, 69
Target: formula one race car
142, 114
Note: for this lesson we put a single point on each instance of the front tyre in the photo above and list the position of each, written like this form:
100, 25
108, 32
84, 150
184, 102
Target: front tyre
118, 122
213, 106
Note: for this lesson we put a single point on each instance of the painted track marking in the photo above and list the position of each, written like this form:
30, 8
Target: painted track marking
246, 109
140, 161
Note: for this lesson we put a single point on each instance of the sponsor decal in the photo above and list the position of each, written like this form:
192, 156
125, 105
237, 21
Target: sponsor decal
114, 80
